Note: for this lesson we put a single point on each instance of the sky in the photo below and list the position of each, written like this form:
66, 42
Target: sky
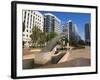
77, 18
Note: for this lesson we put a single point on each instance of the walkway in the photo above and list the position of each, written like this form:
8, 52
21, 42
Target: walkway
76, 58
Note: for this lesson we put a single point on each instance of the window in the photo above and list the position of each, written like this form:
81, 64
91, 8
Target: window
27, 35
34, 13
27, 20
24, 16
27, 30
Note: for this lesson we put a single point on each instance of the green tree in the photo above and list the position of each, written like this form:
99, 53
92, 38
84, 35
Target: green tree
81, 42
73, 42
35, 35
39, 38
50, 36
42, 39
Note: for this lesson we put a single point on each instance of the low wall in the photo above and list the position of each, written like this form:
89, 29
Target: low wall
28, 63
55, 59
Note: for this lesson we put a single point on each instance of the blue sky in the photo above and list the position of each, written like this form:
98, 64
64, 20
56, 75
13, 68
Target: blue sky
78, 18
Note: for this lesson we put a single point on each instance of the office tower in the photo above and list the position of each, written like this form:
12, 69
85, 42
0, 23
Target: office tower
31, 19
77, 36
87, 33
51, 23
71, 29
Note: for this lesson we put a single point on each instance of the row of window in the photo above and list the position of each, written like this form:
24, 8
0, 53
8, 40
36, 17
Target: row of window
28, 30
36, 15
32, 12
38, 22
25, 35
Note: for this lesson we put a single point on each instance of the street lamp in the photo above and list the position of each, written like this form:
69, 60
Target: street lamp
68, 37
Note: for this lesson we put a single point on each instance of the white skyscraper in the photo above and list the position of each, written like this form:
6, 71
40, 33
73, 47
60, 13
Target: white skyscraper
30, 19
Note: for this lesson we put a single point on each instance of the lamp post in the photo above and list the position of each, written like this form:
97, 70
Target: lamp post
68, 37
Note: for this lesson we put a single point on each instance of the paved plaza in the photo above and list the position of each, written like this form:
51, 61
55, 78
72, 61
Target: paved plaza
72, 58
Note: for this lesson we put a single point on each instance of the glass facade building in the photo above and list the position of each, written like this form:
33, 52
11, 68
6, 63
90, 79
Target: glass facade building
87, 33
71, 29
51, 23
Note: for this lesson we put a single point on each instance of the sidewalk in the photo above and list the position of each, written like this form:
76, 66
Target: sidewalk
80, 53
76, 58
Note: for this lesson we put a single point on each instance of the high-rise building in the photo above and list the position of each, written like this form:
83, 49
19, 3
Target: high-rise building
87, 33
77, 36
31, 19
71, 29
51, 23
